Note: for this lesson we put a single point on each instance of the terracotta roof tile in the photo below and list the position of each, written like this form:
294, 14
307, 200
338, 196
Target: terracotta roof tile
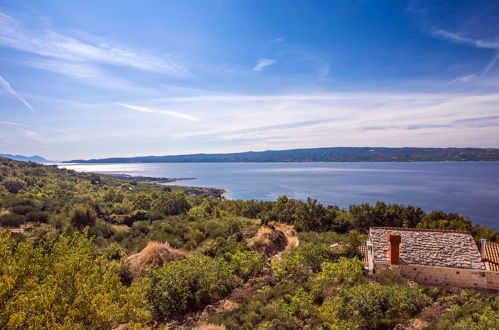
491, 255
429, 247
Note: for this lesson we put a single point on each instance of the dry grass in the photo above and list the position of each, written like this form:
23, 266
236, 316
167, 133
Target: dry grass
290, 232
268, 241
120, 227
154, 254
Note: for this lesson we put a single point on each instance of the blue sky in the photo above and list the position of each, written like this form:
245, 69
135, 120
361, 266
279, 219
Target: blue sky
82, 79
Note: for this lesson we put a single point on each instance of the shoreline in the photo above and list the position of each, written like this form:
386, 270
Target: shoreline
212, 192
140, 178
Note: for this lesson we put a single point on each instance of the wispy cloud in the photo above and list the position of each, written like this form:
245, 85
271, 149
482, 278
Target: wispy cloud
5, 84
478, 43
455, 37
263, 63
11, 124
429, 119
50, 43
86, 73
491, 64
71, 69
159, 111
47, 128
464, 79
277, 40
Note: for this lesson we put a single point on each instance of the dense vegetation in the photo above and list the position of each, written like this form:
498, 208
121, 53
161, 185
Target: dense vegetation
345, 154
77, 253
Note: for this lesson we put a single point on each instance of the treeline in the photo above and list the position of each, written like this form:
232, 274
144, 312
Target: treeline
340, 154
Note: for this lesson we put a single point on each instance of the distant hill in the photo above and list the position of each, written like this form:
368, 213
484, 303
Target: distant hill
36, 159
340, 154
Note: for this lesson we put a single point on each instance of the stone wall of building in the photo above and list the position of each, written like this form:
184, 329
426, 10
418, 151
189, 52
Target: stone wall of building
443, 276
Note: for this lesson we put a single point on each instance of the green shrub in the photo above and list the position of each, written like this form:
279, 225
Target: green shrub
487, 318
303, 262
14, 185
371, 306
469, 310
187, 284
22, 209
346, 271
11, 220
83, 215
389, 277
37, 216
246, 264
60, 284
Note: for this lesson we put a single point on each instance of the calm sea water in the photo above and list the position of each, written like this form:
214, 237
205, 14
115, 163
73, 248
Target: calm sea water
468, 188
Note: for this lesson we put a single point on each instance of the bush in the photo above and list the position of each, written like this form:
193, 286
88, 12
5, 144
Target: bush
346, 271
14, 185
246, 264
22, 209
188, 284
37, 216
389, 277
11, 220
371, 306
60, 284
469, 310
303, 262
487, 318
83, 215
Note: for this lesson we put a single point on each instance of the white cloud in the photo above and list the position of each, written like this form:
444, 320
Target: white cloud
277, 40
5, 84
49, 43
464, 79
478, 43
86, 73
158, 111
465, 40
47, 128
12, 124
263, 63
332, 119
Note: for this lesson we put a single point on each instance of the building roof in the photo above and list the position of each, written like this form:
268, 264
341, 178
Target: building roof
491, 255
428, 247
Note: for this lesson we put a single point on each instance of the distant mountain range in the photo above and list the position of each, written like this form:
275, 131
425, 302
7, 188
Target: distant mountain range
36, 159
340, 154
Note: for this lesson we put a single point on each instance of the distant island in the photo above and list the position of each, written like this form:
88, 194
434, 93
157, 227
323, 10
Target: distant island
36, 159
339, 154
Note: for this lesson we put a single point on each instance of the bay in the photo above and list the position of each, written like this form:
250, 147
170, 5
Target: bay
468, 188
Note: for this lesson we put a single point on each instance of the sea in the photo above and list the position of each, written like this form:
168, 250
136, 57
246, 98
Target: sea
467, 188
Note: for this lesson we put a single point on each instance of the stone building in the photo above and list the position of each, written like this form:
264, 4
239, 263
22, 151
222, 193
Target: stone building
434, 257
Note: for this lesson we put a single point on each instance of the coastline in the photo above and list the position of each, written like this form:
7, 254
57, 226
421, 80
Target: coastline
212, 192
140, 178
